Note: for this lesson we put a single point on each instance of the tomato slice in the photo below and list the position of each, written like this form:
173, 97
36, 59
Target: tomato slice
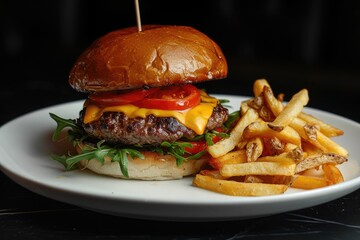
196, 147
165, 98
171, 98
113, 99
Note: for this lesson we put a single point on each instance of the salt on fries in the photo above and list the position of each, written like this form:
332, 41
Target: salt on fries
272, 147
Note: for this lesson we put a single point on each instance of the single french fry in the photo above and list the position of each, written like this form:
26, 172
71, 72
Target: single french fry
258, 86
290, 111
234, 188
226, 145
254, 149
244, 107
281, 158
237, 156
327, 129
258, 168
272, 102
332, 173
318, 160
306, 133
261, 129
317, 138
309, 182
331, 146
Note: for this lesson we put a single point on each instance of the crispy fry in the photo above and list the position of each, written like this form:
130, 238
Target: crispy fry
318, 160
238, 156
331, 146
259, 85
258, 168
257, 129
282, 158
234, 188
309, 182
300, 127
290, 111
254, 149
272, 102
327, 129
226, 145
332, 173
244, 106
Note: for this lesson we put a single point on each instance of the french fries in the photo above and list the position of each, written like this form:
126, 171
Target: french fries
236, 188
272, 147
224, 146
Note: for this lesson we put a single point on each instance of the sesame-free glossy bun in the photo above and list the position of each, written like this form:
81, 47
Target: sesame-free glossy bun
157, 56
154, 166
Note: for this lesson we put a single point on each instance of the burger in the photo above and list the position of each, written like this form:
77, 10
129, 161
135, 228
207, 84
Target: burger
144, 118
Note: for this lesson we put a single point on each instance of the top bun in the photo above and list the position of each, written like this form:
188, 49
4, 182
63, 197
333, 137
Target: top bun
157, 56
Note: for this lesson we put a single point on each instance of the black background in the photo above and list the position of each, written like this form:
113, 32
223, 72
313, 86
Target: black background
293, 44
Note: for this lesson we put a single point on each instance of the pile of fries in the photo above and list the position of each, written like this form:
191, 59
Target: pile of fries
274, 146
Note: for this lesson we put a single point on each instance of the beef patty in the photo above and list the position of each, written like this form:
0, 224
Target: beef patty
116, 127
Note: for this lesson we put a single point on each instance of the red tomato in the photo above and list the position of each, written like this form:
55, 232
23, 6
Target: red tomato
196, 147
112, 99
171, 98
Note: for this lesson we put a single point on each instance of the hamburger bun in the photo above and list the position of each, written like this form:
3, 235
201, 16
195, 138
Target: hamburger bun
157, 56
154, 166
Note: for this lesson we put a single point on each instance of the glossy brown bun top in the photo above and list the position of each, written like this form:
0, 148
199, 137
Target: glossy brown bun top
157, 56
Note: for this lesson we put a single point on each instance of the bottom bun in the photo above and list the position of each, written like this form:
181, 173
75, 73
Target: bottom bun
154, 166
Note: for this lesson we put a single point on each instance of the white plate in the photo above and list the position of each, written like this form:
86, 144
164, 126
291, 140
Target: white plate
25, 146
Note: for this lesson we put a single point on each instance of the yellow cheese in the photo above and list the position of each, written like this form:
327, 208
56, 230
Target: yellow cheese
195, 118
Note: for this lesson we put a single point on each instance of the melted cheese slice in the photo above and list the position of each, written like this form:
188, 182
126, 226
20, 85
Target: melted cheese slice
195, 118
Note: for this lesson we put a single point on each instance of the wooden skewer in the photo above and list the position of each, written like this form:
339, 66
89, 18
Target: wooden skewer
138, 19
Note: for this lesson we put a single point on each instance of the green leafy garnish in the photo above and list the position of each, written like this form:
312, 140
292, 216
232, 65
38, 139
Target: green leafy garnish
233, 117
99, 152
119, 153
76, 130
224, 101
177, 150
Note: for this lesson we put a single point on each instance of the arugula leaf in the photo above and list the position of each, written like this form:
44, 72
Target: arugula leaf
77, 135
233, 117
224, 101
99, 153
62, 123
